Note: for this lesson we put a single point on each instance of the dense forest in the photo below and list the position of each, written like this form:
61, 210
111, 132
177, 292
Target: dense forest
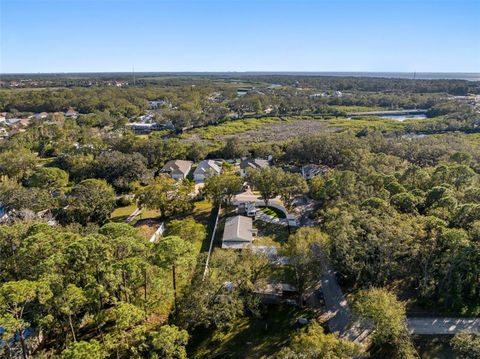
397, 217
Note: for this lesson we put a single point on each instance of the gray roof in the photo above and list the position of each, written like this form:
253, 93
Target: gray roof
207, 166
237, 232
314, 168
254, 163
177, 167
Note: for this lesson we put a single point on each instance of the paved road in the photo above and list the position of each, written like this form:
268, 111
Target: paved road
432, 326
335, 303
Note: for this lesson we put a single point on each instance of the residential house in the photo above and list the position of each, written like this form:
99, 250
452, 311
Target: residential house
276, 293
247, 208
24, 122
312, 170
71, 113
153, 105
205, 169
177, 169
12, 121
140, 127
40, 116
249, 164
238, 232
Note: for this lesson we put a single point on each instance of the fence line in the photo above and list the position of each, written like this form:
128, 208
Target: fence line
211, 244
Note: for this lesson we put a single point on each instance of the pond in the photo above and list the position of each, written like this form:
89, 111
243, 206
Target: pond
419, 116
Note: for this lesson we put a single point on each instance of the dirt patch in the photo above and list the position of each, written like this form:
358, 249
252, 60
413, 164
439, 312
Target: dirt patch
281, 131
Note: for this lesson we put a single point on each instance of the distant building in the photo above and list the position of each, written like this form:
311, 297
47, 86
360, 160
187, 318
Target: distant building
177, 169
249, 164
40, 116
24, 122
312, 170
71, 113
238, 232
206, 168
153, 105
140, 127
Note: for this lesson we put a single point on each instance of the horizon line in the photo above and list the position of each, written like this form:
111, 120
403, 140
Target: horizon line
240, 72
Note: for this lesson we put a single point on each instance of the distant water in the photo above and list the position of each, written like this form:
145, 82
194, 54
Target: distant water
469, 76
404, 117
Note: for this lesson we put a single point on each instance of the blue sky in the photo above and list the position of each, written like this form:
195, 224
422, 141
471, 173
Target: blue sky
234, 35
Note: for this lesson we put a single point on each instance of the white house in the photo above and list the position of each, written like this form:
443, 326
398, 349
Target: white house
177, 169
247, 208
249, 164
238, 232
206, 168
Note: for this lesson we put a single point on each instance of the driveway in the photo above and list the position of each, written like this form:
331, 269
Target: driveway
433, 326
269, 219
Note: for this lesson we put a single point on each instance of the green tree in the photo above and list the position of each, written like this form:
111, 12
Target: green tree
17, 163
14, 298
169, 342
234, 148
177, 254
267, 181
187, 229
405, 202
312, 343
13, 196
222, 188
85, 350
466, 345
91, 200
291, 185
389, 321
303, 248
51, 178
167, 196
70, 303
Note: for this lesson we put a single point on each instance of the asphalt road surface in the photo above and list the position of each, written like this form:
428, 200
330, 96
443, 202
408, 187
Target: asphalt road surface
432, 326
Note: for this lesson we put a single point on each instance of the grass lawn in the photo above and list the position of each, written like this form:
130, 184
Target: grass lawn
203, 213
250, 337
151, 214
279, 234
273, 212
121, 213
